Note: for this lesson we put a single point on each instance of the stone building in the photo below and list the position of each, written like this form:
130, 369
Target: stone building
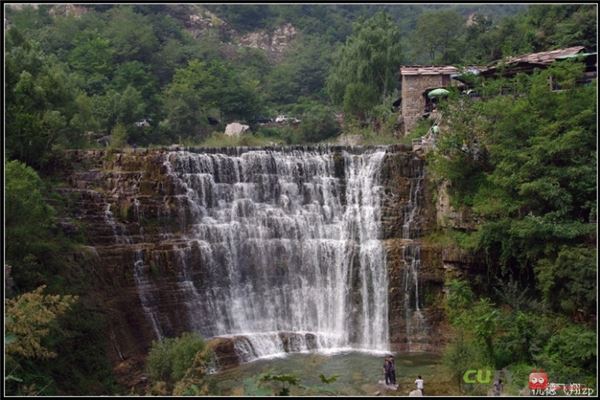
416, 82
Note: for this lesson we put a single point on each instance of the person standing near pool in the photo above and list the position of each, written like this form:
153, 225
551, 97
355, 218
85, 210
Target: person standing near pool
386, 370
392, 370
420, 384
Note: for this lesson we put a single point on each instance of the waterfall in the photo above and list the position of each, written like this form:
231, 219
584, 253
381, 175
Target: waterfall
118, 230
144, 285
282, 249
415, 321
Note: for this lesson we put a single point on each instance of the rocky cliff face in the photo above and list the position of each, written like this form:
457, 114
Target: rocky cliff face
274, 43
416, 273
130, 209
200, 22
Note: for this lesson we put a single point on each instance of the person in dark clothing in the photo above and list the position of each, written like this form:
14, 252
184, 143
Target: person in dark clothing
392, 370
498, 387
386, 370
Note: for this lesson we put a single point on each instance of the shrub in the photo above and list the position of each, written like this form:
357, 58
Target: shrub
318, 124
570, 355
118, 137
170, 359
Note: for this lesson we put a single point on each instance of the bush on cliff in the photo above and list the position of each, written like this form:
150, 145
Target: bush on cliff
175, 359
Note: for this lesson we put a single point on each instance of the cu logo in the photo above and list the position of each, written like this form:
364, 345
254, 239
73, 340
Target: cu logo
538, 380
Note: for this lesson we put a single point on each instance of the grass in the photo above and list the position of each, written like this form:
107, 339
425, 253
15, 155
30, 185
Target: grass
250, 140
369, 137
418, 131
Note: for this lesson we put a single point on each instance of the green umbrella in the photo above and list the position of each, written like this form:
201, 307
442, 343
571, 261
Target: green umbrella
438, 92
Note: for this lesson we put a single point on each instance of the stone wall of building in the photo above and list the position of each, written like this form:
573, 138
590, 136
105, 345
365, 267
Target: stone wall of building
413, 101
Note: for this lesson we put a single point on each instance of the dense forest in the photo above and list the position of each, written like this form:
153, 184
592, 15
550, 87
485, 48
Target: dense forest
522, 160
149, 75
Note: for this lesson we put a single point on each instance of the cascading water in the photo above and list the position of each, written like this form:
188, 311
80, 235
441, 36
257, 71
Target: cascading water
144, 287
415, 321
143, 284
283, 249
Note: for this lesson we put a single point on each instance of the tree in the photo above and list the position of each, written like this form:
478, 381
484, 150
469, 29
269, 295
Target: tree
201, 89
438, 34
131, 35
118, 136
567, 282
359, 99
131, 106
534, 197
368, 60
84, 119
302, 73
31, 318
28, 217
318, 123
136, 75
535, 191
563, 25
570, 354
40, 97
91, 58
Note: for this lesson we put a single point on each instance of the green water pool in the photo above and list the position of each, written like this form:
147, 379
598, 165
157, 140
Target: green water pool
358, 374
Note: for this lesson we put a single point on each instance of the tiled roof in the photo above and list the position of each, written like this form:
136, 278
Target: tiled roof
541, 58
544, 57
428, 70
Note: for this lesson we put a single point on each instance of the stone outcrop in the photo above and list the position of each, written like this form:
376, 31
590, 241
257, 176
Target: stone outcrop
274, 43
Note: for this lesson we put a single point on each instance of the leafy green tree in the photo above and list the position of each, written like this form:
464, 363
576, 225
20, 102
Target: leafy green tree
131, 35
523, 160
562, 25
535, 188
30, 319
460, 355
318, 123
368, 60
84, 119
131, 106
40, 97
91, 57
479, 44
246, 17
118, 136
570, 355
185, 107
438, 34
302, 73
202, 87
359, 98
567, 282
30, 315
28, 217
136, 75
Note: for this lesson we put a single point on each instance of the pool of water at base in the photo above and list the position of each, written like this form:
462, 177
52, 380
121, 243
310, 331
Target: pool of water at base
359, 374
